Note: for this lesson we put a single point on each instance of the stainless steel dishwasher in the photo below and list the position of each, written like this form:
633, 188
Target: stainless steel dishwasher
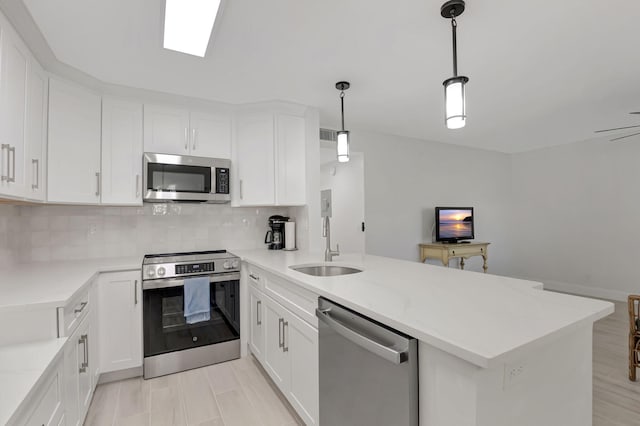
368, 371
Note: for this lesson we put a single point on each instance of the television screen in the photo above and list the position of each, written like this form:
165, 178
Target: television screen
454, 223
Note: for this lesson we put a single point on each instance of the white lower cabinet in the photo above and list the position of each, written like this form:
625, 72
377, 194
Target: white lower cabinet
256, 330
288, 350
276, 361
78, 373
303, 393
46, 406
120, 324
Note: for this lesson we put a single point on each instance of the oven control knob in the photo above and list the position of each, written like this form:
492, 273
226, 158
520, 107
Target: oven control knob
226, 264
235, 264
161, 271
151, 272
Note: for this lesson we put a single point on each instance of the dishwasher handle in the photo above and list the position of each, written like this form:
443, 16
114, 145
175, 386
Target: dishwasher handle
385, 352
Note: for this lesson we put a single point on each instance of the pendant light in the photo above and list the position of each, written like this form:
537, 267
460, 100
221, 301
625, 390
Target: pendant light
343, 135
454, 96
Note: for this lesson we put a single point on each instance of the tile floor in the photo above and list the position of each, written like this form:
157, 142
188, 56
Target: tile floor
228, 394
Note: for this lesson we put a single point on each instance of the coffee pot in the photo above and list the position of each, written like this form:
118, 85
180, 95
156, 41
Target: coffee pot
275, 236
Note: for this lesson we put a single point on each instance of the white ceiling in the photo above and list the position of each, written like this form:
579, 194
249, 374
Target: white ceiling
541, 72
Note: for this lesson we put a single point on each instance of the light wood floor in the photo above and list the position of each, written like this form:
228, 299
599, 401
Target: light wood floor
616, 400
238, 393
227, 394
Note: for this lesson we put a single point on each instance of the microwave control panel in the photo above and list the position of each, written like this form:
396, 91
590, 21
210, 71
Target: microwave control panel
222, 180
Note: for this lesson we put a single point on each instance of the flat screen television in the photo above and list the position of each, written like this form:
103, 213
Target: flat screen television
454, 224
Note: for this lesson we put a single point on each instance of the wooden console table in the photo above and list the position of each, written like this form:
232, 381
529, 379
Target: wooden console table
446, 251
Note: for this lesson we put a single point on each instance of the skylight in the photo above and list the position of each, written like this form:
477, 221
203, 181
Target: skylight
188, 25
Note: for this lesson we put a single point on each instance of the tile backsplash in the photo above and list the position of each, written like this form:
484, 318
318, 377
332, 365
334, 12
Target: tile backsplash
43, 233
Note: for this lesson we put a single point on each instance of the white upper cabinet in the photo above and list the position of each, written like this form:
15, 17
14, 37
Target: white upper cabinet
121, 152
177, 131
14, 59
253, 161
36, 134
291, 161
269, 159
74, 144
210, 135
166, 130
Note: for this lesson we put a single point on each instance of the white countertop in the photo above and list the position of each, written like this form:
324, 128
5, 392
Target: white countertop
21, 368
40, 285
484, 319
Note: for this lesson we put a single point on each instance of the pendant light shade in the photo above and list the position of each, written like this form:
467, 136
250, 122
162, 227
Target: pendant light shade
455, 109
342, 135
454, 101
343, 146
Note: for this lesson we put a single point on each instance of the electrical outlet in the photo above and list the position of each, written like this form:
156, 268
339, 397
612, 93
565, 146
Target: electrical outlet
514, 373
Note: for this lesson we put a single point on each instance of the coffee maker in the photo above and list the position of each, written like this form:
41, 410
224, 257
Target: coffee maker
275, 235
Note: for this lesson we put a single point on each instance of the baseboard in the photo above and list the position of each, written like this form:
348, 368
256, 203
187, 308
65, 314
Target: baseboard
583, 290
114, 376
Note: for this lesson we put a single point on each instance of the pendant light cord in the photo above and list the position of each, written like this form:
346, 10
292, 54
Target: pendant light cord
342, 108
454, 26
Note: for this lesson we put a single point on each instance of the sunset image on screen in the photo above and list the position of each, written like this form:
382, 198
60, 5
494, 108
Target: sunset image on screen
456, 224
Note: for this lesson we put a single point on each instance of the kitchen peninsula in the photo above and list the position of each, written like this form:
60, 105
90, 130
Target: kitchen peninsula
492, 350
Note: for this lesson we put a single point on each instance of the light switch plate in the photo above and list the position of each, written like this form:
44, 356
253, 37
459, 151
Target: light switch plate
325, 203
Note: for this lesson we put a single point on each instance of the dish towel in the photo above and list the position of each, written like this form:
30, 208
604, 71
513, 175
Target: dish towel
197, 307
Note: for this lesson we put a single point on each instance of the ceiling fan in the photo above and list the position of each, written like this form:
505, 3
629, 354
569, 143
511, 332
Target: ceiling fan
622, 128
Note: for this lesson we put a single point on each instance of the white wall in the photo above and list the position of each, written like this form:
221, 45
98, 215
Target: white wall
81, 232
406, 178
577, 208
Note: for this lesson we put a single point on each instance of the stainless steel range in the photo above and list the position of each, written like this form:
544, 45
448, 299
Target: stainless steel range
170, 343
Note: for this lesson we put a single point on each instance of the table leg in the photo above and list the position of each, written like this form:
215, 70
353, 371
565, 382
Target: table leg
484, 264
462, 263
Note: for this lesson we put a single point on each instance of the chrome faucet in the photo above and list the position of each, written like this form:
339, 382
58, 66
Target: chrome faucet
326, 232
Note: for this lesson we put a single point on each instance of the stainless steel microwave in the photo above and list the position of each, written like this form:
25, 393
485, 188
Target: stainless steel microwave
185, 178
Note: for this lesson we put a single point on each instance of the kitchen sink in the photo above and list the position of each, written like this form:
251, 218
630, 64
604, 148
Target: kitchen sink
325, 270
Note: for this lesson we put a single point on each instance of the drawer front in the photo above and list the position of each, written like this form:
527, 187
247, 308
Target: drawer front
467, 251
255, 276
293, 297
47, 403
74, 312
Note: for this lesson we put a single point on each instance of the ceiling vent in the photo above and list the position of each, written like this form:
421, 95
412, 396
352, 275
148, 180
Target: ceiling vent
328, 135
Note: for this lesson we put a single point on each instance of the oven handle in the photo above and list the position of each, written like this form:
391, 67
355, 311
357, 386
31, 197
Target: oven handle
169, 282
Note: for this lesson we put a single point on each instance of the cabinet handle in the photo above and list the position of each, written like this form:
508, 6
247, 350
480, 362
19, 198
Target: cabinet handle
137, 185
254, 277
241, 197
258, 319
285, 347
82, 306
82, 341
186, 138
35, 163
97, 184
85, 364
193, 138
2, 148
135, 292
12, 150
280, 331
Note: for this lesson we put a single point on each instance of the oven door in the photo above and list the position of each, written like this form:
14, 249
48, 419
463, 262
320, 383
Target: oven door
165, 327
185, 178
